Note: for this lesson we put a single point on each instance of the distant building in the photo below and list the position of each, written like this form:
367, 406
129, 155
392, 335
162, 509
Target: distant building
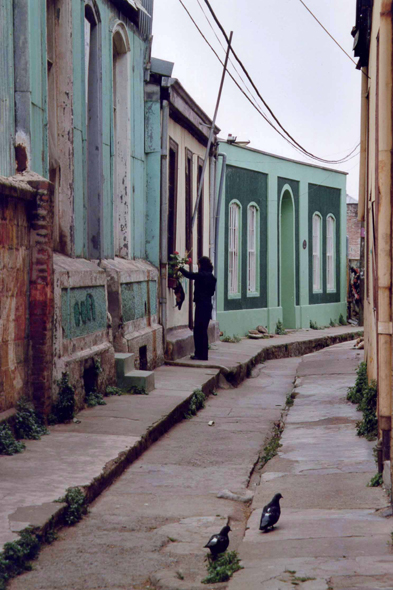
282, 247
353, 232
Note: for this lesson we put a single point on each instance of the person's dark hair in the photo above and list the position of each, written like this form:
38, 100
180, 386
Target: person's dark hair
205, 264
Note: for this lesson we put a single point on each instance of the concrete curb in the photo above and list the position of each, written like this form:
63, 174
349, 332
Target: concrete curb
235, 375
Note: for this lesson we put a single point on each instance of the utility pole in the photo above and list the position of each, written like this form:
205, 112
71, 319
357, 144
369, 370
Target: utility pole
211, 133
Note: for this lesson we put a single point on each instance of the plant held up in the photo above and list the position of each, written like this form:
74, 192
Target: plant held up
175, 260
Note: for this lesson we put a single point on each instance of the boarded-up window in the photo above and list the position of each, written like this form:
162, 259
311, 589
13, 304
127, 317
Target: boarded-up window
252, 248
234, 246
172, 195
316, 251
330, 258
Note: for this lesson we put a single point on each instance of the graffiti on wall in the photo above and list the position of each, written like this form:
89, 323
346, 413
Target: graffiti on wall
83, 311
139, 300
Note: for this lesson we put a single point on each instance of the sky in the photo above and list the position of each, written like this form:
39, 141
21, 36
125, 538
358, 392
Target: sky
309, 83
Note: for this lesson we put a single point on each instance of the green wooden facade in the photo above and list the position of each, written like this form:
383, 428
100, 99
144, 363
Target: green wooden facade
287, 194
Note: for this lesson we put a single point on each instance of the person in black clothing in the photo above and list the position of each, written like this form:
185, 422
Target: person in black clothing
205, 285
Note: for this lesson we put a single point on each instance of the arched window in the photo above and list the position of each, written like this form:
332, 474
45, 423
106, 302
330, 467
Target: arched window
316, 252
234, 249
252, 248
330, 253
121, 141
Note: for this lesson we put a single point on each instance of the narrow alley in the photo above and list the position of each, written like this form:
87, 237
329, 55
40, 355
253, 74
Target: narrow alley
149, 528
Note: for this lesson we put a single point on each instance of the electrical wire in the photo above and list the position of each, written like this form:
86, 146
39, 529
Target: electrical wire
303, 150
327, 32
251, 102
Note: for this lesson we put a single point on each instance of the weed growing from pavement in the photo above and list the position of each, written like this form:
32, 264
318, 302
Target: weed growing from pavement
375, 481
365, 395
271, 449
64, 408
8, 444
94, 398
76, 505
111, 390
197, 402
280, 328
27, 422
341, 320
355, 393
332, 323
17, 555
222, 568
179, 575
290, 400
233, 339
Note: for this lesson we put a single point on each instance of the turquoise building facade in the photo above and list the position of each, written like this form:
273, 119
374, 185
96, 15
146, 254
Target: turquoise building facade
74, 109
282, 243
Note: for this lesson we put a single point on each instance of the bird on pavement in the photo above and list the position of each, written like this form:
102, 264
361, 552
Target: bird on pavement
219, 543
270, 514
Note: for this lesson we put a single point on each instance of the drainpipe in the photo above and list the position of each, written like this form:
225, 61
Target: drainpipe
212, 193
164, 218
217, 223
384, 369
363, 147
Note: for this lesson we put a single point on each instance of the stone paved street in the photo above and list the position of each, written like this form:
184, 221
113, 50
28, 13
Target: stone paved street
148, 529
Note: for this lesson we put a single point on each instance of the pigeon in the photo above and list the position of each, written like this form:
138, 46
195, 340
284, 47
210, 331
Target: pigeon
219, 543
270, 514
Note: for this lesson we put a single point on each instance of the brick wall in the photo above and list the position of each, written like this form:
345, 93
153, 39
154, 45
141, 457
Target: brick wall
353, 231
14, 288
26, 291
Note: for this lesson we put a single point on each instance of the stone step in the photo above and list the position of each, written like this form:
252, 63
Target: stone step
125, 363
137, 378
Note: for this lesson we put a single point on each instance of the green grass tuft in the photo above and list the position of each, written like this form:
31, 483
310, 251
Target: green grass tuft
223, 568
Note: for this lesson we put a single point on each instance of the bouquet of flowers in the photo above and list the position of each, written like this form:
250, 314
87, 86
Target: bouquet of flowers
175, 260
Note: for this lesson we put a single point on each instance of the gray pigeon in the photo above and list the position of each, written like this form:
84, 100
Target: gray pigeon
270, 514
219, 543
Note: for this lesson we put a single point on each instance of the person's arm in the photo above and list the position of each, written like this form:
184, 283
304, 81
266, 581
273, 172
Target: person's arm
188, 274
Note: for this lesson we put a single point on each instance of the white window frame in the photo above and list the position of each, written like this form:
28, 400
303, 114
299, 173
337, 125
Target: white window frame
317, 254
234, 249
253, 250
331, 253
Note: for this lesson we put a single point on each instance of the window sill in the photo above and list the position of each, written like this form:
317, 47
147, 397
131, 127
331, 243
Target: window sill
234, 296
253, 294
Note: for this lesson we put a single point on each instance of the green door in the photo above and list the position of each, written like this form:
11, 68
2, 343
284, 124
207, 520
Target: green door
287, 260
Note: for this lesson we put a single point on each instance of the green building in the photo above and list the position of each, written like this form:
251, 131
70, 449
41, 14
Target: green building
282, 243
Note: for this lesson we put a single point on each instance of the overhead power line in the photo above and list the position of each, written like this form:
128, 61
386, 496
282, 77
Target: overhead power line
327, 32
253, 104
303, 150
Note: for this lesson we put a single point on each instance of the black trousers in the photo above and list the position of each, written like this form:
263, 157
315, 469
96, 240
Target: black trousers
203, 314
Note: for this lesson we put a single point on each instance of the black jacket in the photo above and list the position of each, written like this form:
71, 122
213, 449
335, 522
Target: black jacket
205, 285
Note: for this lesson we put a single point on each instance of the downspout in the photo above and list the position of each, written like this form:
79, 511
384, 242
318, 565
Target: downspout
217, 223
212, 202
363, 147
384, 370
164, 218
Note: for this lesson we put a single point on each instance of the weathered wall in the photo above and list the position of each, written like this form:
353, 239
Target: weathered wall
353, 231
7, 117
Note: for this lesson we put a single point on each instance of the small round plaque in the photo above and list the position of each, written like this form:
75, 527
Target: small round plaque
304, 244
